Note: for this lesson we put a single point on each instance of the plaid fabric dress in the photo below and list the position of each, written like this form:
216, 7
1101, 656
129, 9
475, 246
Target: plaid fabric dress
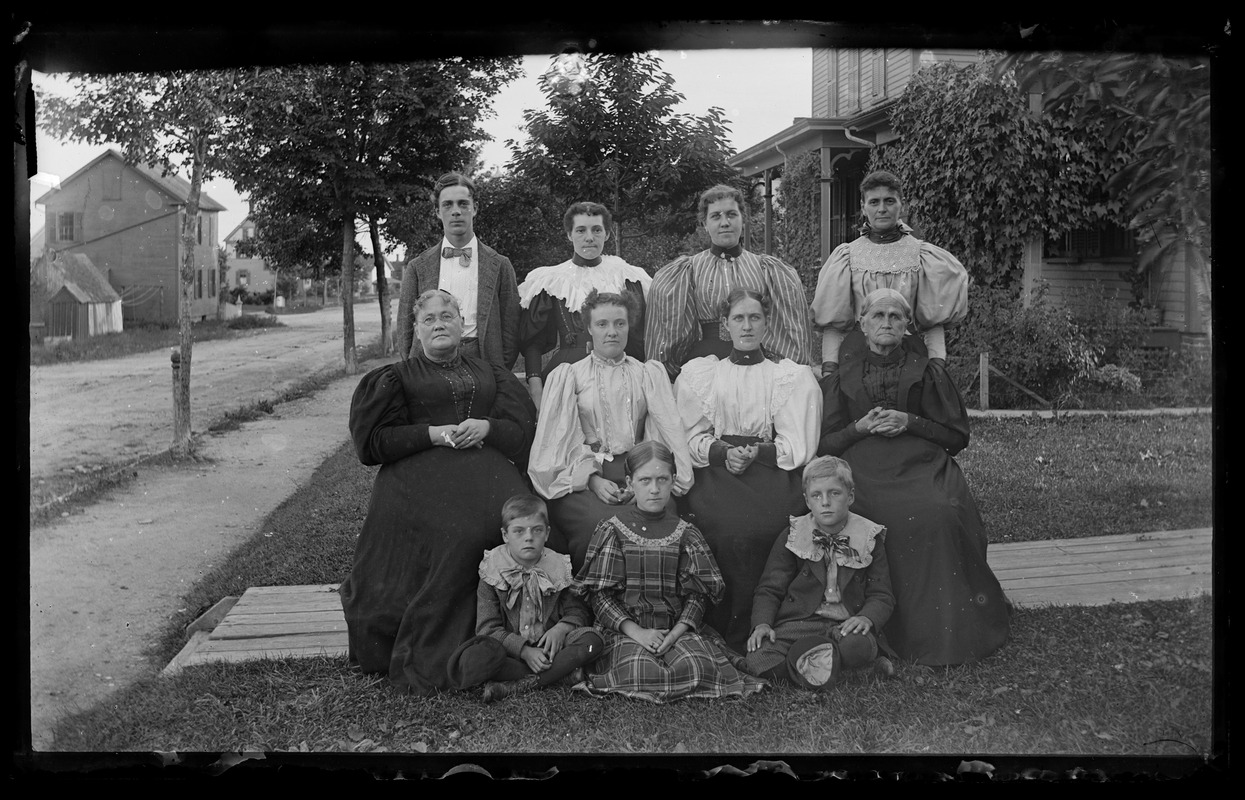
657, 571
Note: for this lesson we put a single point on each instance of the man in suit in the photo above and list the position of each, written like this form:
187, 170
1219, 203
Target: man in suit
480, 278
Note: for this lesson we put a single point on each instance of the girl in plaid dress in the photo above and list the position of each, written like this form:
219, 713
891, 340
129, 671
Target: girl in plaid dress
649, 577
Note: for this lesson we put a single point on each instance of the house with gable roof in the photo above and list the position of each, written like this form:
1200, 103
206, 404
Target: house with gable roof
853, 90
246, 271
126, 218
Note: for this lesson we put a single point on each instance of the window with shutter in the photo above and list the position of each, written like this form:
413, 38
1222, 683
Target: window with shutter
65, 231
1105, 240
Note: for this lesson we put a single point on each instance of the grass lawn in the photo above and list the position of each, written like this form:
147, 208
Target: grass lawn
1123, 679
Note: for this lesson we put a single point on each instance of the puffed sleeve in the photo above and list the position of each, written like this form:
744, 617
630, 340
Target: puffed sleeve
790, 325
942, 289
379, 423
699, 580
833, 310
938, 412
603, 577
664, 424
538, 331
512, 418
797, 415
561, 460
691, 392
670, 327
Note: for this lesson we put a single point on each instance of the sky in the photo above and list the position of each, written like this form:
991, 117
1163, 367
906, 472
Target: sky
760, 91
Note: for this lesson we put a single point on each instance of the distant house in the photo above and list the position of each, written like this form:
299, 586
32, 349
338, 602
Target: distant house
853, 91
127, 219
73, 299
253, 273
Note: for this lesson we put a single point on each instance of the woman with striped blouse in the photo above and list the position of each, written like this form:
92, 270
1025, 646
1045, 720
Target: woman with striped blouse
683, 319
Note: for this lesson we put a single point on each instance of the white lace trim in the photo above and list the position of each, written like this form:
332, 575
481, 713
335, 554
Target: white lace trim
901, 256
861, 534
699, 374
637, 539
572, 284
784, 384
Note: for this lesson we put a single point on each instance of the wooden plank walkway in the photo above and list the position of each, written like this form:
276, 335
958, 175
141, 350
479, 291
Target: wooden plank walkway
280, 621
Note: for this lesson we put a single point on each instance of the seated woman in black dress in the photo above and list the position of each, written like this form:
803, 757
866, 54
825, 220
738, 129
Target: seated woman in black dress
447, 431
752, 422
895, 415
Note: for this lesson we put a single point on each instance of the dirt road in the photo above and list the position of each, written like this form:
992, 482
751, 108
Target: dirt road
104, 580
115, 411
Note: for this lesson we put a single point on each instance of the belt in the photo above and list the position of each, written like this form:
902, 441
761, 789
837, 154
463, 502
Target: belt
711, 330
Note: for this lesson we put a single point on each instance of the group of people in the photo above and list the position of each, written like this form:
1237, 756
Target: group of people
674, 502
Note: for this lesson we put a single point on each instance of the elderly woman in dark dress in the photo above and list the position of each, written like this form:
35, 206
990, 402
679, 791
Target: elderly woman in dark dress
447, 431
895, 415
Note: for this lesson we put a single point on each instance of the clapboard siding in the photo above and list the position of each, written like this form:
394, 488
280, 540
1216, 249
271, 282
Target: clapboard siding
899, 70
129, 226
1071, 283
843, 77
823, 83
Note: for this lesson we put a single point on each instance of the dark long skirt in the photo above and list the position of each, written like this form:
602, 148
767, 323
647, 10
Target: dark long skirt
741, 516
410, 598
949, 607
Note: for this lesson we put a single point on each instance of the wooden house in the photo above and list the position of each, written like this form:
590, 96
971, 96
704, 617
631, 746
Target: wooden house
127, 219
853, 90
76, 300
253, 273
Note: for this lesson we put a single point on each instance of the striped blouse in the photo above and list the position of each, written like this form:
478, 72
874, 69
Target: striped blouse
688, 292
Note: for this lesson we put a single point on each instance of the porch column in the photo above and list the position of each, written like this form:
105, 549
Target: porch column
823, 220
769, 211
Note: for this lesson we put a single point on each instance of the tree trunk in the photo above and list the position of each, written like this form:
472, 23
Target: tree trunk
382, 287
185, 332
352, 359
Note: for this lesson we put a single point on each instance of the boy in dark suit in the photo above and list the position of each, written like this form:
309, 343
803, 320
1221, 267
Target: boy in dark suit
480, 278
826, 590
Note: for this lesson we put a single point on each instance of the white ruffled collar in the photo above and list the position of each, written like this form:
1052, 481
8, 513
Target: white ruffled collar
572, 284
497, 564
861, 534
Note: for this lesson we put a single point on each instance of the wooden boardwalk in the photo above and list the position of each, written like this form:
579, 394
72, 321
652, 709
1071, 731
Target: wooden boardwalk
280, 621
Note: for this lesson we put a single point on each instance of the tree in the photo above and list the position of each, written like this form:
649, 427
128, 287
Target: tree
168, 119
1165, 102
351, 138
618, 141
292, 236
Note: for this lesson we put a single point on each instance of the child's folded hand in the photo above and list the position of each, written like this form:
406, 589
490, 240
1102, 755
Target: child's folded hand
759, 633
537, 660
553, 640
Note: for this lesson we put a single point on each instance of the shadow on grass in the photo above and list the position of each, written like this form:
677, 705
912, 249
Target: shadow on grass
1118, 680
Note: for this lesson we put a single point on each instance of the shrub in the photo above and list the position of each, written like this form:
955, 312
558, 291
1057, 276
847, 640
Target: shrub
1039, 346
248, 321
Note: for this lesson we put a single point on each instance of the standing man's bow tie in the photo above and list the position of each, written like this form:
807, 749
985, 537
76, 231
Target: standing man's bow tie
463, 253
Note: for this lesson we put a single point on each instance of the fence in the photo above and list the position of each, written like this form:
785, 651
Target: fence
1153, 377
